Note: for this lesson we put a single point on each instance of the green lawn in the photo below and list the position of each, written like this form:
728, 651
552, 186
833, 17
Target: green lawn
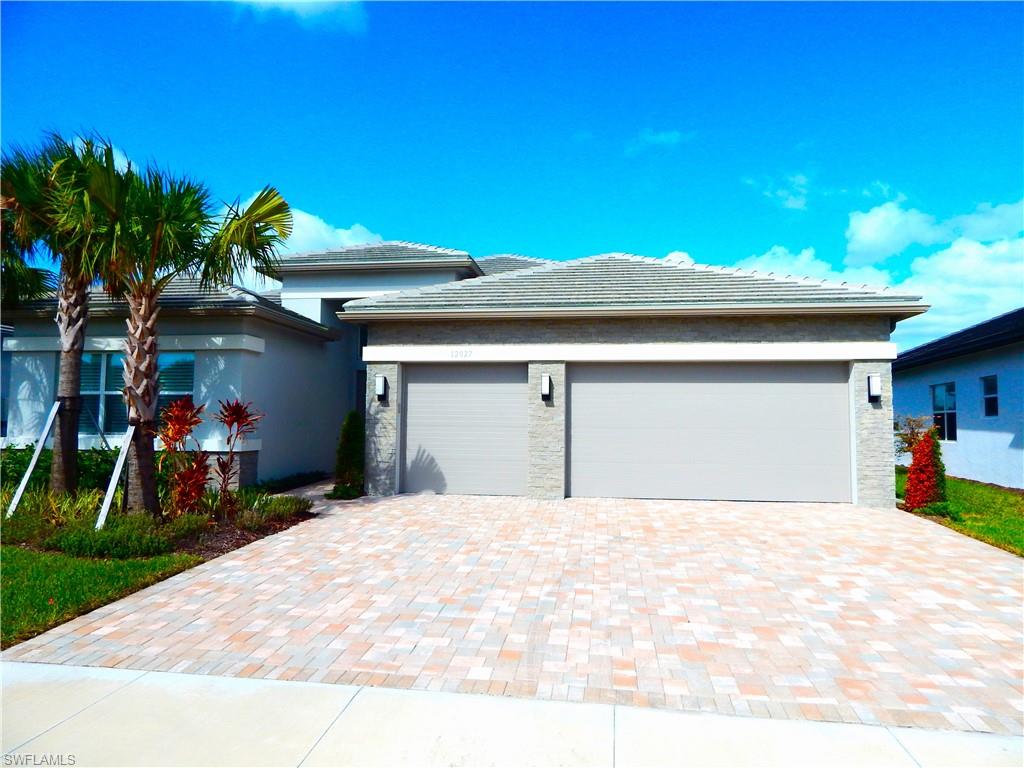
39, 590
991, 514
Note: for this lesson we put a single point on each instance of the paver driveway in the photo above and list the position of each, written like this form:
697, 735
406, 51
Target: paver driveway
813, 611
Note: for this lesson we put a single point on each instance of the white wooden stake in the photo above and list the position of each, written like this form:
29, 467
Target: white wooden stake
35, 458
118, 468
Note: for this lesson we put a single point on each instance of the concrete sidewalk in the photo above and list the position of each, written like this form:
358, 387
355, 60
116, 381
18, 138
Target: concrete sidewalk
115, 717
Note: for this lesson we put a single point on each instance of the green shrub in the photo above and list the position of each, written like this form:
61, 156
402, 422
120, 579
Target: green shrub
289, 482
940, 509
14, 462
41, 513
344, 491
122, 537
95, 466
185, 527
271, 509
251, 498
350, 461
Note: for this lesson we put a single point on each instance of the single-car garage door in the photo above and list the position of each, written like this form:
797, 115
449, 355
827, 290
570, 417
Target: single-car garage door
465, 429
744, 431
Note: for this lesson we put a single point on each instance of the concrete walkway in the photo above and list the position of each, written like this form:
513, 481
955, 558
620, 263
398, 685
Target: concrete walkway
115, 717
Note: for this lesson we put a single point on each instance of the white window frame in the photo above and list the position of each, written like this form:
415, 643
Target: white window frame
86, 426
945, 411
994, 378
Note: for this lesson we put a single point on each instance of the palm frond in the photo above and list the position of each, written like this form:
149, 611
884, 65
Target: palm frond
20, 282
247, 237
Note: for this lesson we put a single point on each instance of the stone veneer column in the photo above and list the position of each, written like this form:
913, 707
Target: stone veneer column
547, 438
876, 459
382, 430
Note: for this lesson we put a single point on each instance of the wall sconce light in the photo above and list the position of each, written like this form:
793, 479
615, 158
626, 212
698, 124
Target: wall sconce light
874, 387
545, 386
380, 387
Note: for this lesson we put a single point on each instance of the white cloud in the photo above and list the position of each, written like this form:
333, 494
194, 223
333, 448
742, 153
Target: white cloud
965, 282
789, 193
648, 138
886, 230
310, 233
889, 229
349, 15
990, 222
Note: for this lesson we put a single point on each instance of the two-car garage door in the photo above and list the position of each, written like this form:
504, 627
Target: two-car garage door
745, 431
758, 431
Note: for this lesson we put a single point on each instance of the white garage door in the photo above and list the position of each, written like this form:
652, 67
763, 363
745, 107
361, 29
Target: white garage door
465, 429
744, 431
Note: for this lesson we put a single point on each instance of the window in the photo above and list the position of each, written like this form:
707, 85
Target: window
102, 384
944, 410
990, 395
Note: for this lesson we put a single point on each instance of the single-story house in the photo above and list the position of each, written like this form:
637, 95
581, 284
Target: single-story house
612, 375
971, 383
624, 376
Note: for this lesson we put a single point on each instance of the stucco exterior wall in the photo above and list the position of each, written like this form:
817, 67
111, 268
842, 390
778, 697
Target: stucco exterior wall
872, 423
304, 292
304, 385
988, 449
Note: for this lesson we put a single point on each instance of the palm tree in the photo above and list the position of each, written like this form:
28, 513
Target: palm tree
40, 189
161, 227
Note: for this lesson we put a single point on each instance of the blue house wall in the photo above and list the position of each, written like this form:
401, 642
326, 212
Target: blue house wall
987, 448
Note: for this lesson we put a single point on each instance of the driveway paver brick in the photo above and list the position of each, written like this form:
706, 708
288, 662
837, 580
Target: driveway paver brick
822, 612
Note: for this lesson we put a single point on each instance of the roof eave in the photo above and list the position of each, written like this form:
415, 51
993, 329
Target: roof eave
896, 311
303, 325
990, 344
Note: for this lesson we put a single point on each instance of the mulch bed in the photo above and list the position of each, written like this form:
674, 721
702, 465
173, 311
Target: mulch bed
222, 538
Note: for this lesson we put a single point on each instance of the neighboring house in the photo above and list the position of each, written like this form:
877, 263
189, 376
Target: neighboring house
971, 383
626, 376
613, 375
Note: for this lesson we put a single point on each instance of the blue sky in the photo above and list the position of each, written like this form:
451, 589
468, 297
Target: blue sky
879, 143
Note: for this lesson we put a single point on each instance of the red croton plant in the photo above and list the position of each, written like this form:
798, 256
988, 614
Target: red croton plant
240, 419
926, 478
189, 469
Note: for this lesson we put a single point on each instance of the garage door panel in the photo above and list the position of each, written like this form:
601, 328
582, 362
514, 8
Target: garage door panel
728, 431
465, 429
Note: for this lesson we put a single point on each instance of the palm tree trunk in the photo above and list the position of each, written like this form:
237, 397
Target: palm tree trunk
141, 381
72, 316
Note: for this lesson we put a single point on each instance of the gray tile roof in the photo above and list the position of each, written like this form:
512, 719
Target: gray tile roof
393, 254
508, 262
184, 295
626, 284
